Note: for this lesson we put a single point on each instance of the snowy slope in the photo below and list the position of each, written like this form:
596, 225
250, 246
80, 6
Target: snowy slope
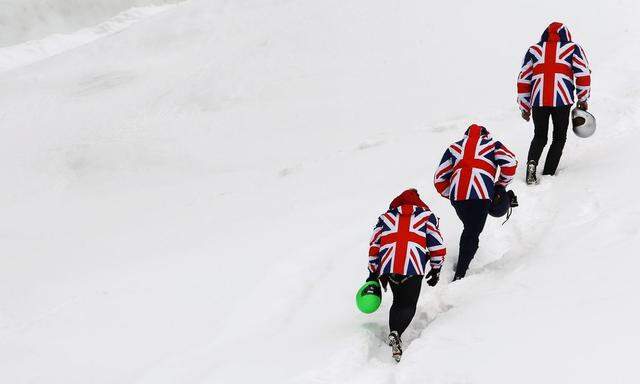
190, 200
19, 55
23, 20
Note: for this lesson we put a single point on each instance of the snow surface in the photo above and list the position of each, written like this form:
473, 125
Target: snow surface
190, 200
35, 50
23, 20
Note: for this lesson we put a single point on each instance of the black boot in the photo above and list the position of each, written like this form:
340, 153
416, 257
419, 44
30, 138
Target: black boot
396, 345
531, 172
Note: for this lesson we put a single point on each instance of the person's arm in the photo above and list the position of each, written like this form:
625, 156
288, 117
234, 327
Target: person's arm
582, 73
506, 160
524, 85
374, 251
435, 243
442, 178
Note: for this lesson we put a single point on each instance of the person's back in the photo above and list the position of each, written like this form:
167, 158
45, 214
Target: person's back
402, 242
468, 167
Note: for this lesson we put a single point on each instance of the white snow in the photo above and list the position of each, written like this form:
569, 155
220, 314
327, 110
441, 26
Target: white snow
23, 20
190, 200
35, 50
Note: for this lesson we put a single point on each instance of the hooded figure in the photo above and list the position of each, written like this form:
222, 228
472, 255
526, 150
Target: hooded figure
554, 71
406, 237
467, 176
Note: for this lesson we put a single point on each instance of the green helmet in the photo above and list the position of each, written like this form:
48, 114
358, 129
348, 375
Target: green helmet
369, 297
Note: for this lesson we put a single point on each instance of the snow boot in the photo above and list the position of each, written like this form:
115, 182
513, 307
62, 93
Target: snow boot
396, 345
531, 172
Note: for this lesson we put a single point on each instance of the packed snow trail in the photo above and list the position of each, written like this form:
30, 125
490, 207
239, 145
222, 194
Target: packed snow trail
190, 200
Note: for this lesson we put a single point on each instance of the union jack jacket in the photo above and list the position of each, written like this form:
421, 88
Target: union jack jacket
468, 167
547, 74
404, 239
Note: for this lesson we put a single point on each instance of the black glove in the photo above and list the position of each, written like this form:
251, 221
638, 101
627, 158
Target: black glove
372, 277
433, 276
526, 115
582, 105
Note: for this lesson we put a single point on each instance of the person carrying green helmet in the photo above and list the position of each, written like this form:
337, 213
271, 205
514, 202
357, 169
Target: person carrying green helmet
405, 238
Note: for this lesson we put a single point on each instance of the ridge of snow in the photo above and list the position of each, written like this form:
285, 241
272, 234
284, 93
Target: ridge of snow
35, 50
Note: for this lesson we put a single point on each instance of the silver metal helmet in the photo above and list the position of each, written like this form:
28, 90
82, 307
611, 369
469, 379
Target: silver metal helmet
584, 124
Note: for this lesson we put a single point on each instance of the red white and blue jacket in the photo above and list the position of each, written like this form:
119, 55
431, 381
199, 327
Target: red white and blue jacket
469, 167
546, 78
405, 238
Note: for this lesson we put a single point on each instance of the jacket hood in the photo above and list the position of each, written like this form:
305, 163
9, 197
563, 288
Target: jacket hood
555, 32
476, 130
408, 197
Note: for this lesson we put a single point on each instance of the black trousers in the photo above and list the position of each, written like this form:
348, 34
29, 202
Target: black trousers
406, 290
560, 118
473, 214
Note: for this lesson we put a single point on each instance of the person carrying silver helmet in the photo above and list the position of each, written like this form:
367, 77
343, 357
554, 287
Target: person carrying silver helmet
554, 72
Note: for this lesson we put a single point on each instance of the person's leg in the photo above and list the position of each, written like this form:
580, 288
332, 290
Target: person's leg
462, 264
406, 291
473, 214
541, 128
560, 118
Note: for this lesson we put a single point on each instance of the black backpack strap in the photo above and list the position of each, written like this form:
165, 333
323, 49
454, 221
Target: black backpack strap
513, 202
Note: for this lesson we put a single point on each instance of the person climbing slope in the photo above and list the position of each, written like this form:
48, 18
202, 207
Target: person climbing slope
404, 239
466, 176
546, 89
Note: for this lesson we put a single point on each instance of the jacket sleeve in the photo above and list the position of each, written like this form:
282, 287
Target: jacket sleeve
374, 248
442, 178
506, 160
524, 82
435, 243
582, 73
